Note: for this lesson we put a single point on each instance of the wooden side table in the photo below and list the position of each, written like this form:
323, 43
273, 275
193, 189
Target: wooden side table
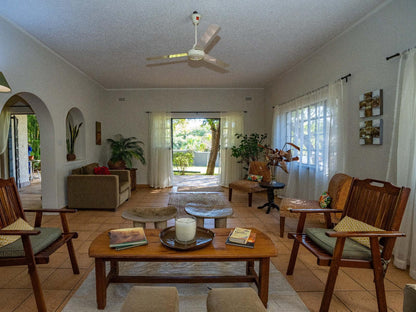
270, 194
132, 178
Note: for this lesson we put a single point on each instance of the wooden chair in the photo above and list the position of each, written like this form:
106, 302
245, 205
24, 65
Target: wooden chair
377, 203
250, 187
338, 188
35, 246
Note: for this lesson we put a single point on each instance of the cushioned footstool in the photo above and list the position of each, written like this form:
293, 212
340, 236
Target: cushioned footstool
234, 300
151, 299
409, 303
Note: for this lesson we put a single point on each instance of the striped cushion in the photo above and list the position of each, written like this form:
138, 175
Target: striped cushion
19, 224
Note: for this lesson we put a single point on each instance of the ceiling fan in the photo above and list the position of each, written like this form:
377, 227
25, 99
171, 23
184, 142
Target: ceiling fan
197, 52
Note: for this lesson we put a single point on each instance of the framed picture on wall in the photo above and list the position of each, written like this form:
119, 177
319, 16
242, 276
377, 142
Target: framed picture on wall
371, 103
371, 131
98, 133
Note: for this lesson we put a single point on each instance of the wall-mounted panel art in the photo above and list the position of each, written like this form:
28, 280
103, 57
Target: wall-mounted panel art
371, 103
371, 131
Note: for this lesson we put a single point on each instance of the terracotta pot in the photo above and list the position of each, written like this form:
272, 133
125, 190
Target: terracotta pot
31, 157
116, 165
70, 157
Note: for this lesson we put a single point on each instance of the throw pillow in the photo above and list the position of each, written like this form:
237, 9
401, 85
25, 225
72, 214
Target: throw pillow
348, 224
101, 170
19, 224
325, 200
255, 177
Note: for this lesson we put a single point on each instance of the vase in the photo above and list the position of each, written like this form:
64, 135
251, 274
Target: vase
70, 157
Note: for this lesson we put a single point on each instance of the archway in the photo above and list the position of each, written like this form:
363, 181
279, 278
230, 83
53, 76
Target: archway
47, 133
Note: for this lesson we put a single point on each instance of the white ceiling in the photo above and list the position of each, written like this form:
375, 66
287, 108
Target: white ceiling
110, 40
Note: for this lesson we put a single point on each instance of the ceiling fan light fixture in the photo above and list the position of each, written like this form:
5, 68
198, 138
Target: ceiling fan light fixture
196, 55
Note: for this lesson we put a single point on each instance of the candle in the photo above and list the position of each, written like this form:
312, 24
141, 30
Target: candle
185, 229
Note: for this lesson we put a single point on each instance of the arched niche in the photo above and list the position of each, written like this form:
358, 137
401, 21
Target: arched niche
75, 118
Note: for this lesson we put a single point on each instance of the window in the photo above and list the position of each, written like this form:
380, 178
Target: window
308, 128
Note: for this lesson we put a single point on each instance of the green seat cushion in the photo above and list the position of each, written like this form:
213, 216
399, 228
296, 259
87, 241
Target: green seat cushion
39, 242
352, 249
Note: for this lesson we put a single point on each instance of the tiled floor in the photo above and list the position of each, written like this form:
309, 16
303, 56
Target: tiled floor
354, 288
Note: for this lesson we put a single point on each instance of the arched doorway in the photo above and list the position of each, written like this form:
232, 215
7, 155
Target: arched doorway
28, 101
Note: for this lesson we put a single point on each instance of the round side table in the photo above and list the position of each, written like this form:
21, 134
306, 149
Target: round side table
202, 212
271, 186
158, 216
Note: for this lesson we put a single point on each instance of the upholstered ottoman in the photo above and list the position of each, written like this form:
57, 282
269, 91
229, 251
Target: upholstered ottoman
151, 299
409, 302
234, 300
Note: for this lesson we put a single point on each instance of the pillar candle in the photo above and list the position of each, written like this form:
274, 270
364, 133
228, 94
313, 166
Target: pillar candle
185, 229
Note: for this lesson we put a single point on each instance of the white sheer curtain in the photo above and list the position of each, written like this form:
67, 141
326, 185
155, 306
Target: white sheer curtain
161, 170
405, 248
314, 123
4, 128
231, 123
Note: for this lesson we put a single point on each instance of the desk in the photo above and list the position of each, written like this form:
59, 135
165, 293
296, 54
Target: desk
217, 251
270, 194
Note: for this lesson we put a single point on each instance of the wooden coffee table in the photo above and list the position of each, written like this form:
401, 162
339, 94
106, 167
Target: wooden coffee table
217, 251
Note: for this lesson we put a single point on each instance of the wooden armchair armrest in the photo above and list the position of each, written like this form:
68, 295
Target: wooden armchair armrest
314, 210
366, 234
62, 212
19, 232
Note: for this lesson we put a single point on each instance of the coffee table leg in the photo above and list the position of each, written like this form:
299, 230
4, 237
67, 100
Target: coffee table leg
249, 267
100, 283
263, 286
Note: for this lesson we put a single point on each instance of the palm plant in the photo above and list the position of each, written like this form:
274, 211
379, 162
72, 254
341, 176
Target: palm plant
123, 150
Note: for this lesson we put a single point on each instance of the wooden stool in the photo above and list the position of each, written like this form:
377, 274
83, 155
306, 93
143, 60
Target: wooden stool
202, 211
158, 216
150, 299
234, 300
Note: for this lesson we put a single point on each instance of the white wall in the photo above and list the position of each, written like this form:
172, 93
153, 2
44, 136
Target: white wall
130, 119
360, 51
23, 150
52, 87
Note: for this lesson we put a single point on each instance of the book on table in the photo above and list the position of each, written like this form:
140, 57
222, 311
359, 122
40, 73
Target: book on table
239, 235
249, 243
127, 238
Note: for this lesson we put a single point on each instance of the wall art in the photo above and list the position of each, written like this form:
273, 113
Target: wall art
371, 131
371, 103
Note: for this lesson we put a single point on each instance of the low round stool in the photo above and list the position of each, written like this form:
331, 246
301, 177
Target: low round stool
158, 216
150, 299
203, 211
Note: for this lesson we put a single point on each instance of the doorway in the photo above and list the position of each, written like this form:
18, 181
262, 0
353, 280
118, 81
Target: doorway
196, 151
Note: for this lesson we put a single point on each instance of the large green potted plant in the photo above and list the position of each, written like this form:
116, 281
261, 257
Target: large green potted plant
123, 150
249, 149
70, 141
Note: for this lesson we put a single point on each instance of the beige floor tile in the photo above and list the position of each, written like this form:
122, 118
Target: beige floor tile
394, 299
365, 277
9, 273
305, 280
53, 299
12, 298
62, 279
361, 301
23, 279
343, 282
312, 300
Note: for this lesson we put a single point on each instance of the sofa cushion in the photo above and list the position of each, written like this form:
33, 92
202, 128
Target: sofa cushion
352, 249
124, 186
89, 169
39, 242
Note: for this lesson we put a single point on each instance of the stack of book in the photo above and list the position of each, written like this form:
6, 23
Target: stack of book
127, 238
241, 237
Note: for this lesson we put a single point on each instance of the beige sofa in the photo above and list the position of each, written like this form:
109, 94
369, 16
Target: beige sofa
87, 190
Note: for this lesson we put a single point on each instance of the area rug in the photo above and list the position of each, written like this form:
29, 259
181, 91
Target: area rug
192, 297
180, 199
200, 189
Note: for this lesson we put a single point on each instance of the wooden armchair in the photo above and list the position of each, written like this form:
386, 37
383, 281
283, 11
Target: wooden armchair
250, 187
376, 203
35, 246
338, 188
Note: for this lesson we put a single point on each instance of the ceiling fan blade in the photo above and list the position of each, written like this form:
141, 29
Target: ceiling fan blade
165, 57
214, 61
207, 37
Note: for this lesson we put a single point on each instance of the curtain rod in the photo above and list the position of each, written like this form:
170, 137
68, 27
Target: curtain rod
398, 54
317, 89
197, 112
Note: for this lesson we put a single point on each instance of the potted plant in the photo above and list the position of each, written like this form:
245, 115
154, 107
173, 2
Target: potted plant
70, 142
123, 150
249, 148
